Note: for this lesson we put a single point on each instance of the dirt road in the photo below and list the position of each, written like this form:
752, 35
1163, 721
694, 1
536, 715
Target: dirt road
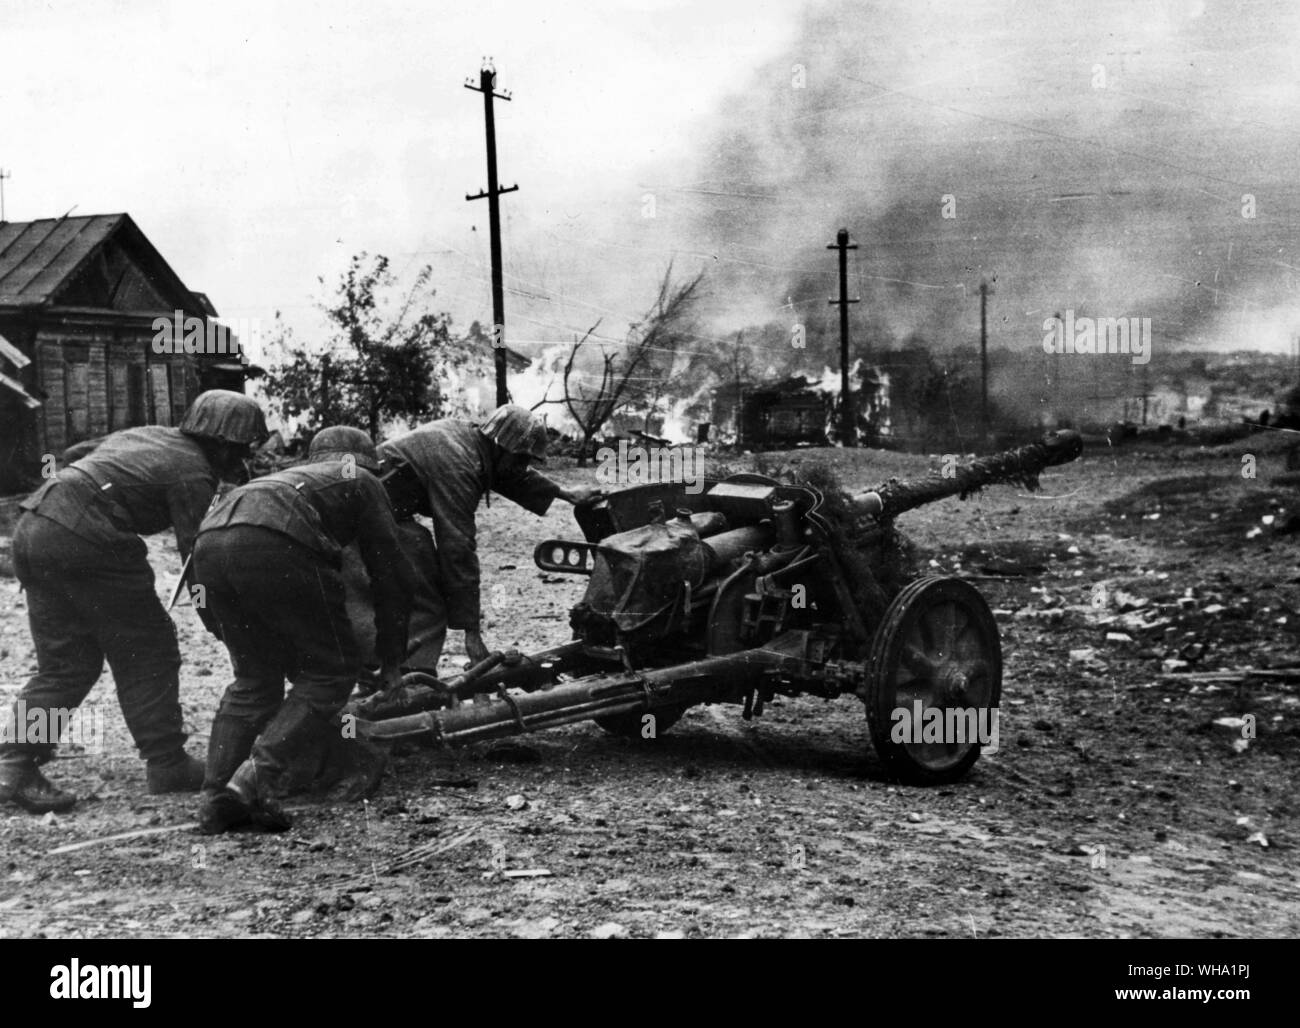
1120, 803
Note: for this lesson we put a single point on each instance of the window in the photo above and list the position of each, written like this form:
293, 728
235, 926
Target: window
162, 400
135, 394
179, 392
76, 381
119, 395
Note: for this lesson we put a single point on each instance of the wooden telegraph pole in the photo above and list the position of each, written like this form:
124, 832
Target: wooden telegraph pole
848, 424
984, 355
1056, 374
740, 406
487, 86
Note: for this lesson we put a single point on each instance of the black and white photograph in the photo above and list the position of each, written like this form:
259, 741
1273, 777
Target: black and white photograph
781, 469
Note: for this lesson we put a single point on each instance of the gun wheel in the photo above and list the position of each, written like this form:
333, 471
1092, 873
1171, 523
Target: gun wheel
632, 726
937, 650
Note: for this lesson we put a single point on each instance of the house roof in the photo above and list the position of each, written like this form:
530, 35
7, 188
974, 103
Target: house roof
38, 259
37, 256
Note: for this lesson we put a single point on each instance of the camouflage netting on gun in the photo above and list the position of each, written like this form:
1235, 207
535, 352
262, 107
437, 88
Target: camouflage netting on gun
868, 549
640, 572
863, 543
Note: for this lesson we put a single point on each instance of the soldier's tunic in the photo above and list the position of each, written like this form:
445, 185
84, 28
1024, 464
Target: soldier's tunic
457, 467
90, 590
268, 556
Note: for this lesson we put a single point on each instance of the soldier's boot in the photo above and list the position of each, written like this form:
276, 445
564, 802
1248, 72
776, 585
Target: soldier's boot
250, 794
229, 745
291, 751
239, 803
21, 782
178, 773
287, 757
263, 809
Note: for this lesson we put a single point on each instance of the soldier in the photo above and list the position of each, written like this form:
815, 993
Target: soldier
90, 590
268, 557
450, 466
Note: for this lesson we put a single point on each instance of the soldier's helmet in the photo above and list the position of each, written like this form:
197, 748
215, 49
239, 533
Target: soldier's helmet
226, 416
342, 441
517, 430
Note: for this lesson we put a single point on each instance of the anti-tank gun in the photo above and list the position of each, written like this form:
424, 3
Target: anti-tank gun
737, 592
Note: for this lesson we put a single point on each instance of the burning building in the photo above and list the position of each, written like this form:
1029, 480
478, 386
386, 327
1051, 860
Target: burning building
799, 411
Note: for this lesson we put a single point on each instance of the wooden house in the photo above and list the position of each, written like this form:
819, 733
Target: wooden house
80, 303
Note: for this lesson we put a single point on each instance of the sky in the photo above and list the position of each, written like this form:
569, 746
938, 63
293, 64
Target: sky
1099, 154
259, 145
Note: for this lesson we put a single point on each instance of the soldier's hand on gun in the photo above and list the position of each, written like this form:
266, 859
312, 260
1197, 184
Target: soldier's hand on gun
583, 495
474, 647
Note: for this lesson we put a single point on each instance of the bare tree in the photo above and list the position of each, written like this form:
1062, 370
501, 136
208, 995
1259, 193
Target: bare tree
650, 341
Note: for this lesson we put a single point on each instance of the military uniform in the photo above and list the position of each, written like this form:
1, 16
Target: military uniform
456, 466
268, 557
90, 590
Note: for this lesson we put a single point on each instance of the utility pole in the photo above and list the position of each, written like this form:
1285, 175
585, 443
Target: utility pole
1096, 389
487, 86
1146, 394
984, 355
1056, 373
848, 426
3, 175
740, 406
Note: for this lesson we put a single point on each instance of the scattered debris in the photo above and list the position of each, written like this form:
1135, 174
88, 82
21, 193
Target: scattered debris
423, 852
103, 840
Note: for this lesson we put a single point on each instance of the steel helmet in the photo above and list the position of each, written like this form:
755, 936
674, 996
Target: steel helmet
517, 430
342, 441
226, 416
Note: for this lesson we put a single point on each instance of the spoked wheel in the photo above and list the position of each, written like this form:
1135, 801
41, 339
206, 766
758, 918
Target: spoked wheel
934, 680
632, 726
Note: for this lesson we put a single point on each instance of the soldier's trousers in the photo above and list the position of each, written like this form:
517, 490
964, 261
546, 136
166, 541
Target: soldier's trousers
280, 609
87, 602
428, 623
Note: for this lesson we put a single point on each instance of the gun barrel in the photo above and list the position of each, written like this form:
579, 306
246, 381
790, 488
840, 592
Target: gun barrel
1022, 465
